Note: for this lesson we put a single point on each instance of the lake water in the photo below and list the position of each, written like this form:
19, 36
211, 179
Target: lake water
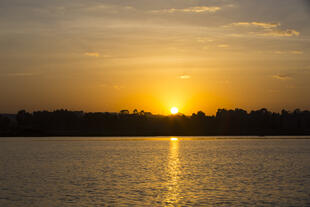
154, 172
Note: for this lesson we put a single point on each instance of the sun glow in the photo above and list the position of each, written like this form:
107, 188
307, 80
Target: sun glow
174, 110
174, 139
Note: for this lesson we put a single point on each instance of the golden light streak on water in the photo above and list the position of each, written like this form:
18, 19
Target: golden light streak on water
173, 172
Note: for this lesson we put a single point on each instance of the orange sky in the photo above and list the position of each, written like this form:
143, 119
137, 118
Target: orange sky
195, 55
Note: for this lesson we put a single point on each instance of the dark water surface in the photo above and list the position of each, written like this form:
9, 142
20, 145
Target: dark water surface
154, 172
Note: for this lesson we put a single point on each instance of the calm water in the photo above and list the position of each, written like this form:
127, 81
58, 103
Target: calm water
154, 172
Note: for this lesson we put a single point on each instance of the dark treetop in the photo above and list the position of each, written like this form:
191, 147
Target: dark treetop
225, 122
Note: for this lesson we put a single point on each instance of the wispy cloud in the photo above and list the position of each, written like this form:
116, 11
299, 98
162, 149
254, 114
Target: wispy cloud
196, 9
265, 25
282, 76
204, 40
92, 54
297, 52
282, 33
223, 46
107, 8
294, 52
269, 29
279, 52
185, 76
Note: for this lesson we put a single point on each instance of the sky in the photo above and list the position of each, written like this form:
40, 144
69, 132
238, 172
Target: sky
109, 55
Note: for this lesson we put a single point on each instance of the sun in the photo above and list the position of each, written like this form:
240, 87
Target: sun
174, 110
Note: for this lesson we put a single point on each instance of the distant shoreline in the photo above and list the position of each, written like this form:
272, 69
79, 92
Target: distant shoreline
179, 137
237, 122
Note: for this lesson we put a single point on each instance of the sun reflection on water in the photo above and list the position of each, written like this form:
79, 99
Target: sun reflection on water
174, 139
173, 173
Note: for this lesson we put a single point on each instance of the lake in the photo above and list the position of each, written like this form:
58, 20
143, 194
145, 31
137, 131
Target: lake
155, 171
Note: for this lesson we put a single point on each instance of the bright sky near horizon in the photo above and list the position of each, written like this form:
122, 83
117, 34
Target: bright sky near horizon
109, 55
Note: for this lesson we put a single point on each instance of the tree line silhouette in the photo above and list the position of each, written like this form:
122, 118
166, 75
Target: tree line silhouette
225, 122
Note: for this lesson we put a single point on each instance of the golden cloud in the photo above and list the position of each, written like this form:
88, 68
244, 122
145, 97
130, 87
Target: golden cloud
294, 52
185, 77
223, 46
269, 29
92, 54
282, 77
297, 52
196, 9
265, 25
282, 33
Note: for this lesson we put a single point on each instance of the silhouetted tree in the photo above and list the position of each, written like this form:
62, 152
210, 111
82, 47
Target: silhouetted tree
23, 118
226, 122
4, 123
124, 112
